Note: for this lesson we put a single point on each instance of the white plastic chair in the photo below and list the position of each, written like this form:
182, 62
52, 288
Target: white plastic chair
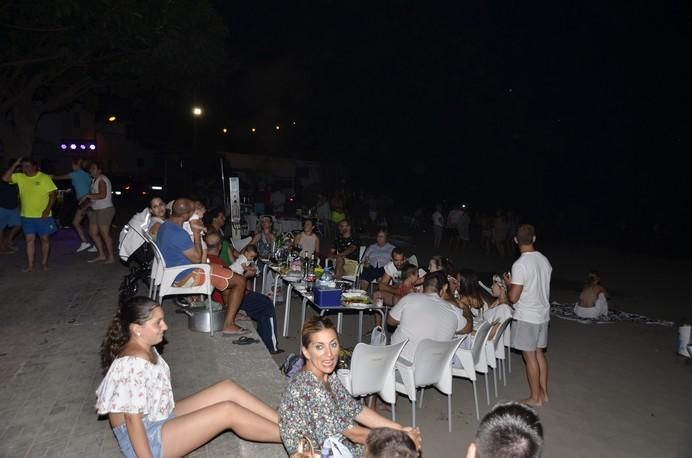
432, 365
473, 361
495, 350
354, 278
413, 260
372, 371
162, 279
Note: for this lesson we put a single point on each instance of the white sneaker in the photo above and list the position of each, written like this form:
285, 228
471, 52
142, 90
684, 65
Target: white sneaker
92, 250
83, 247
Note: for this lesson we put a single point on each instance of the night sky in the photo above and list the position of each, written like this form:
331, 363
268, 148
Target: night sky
583, 109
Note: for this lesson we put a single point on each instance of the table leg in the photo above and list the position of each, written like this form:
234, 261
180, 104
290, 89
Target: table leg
360, 326
264, 277
288, 308
276, 285
339, 320
302, 312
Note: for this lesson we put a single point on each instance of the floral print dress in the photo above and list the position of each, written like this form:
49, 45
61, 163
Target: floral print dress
311, 408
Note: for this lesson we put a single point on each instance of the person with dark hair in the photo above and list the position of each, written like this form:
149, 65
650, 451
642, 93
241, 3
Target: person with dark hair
81, 182
9, 214
440, 263
529, 291
509, 430
388, 284
425, 315
389, 443
157, 216
101, 213
37, 194
409, 279
315, 404
345, 251
136, 393
472, 295
307, 242
215, 220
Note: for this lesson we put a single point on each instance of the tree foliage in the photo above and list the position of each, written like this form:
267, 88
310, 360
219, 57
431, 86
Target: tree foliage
56, 52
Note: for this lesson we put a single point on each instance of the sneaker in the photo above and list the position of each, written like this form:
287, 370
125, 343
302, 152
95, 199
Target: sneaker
84, 246
92, 250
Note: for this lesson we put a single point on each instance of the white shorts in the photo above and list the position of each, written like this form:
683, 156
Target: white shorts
529, 336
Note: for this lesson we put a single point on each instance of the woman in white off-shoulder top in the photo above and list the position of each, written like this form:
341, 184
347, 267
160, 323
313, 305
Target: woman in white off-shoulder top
137, 396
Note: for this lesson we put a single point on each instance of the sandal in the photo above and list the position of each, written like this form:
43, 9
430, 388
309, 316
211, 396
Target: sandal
245, 340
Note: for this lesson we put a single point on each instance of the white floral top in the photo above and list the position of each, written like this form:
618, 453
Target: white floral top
135, 385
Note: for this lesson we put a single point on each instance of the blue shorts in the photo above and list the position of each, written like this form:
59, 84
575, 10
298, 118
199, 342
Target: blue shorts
153, 429
9, 217
39, 226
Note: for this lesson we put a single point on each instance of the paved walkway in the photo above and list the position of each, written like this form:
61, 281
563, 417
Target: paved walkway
50, 333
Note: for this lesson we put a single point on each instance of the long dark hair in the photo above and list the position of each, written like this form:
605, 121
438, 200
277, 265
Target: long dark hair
134, 310
469, 287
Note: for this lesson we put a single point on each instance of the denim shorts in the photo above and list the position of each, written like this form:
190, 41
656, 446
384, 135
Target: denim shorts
153, 429
9, 217
39, 226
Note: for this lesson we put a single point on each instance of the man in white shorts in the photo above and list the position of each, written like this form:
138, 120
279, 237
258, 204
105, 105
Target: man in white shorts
529, 291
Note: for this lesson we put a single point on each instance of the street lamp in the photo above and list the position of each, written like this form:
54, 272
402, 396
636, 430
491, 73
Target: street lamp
196, 113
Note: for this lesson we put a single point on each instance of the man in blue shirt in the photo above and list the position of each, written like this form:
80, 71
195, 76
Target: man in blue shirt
178, 249
81, 182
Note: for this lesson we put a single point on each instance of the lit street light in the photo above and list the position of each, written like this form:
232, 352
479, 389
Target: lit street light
112, 118
197, 111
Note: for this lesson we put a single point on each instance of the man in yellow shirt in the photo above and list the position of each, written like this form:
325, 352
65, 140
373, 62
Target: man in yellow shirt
37, 194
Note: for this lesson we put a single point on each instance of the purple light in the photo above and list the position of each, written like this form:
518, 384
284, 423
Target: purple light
73, 146
63, 146
92, 147
82, 147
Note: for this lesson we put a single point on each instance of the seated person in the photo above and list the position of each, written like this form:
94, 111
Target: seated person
509, 429
593, 302
440, 264
315, 404
425, 316
407, 285
157, 211
244, 260
499, 310
215, 219
345, 251
177, 250
388, 284
257, 306
471, 294
307, 242
376, 256
389, 443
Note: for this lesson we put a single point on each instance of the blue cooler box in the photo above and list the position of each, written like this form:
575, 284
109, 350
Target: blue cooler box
326, 297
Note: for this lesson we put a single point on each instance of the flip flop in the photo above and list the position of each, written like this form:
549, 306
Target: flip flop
242, 332
245, 340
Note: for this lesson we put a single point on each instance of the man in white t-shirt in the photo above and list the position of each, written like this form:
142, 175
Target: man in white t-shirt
389, 282
529, 291
425, 316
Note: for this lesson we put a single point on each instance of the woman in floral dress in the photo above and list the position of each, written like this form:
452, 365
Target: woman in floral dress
136, 394
316, 404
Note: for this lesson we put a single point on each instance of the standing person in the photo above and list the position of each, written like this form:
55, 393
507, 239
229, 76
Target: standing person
529, 291
438, 226
81, 182
37, 194
101, 214
9, 214
463, 227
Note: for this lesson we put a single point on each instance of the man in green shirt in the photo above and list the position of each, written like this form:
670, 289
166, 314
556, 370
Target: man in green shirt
37, 194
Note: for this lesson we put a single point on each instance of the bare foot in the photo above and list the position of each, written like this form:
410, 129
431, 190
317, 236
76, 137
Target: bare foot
545, 397
28, 269
98, 259
532, 402
45, 267
108, 261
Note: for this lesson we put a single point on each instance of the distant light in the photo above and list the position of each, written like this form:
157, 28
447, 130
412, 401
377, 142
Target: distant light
277, 127
253, 130
224, 130
118, 193
157, 188
112, 119
197, 111
92, 147
73, 146
127, 188
294, 123
82, 146
144, 193
463, 205
63, 146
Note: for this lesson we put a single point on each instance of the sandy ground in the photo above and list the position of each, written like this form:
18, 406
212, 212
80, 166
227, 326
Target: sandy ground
615, 389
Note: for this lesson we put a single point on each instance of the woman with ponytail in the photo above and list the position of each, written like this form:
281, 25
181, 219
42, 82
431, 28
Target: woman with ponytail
137, 396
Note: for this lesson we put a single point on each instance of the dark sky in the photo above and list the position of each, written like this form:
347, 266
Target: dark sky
570, 102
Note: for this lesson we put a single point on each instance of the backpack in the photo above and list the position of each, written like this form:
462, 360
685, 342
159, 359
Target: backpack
292, 365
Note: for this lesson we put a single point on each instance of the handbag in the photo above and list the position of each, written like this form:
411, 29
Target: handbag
338, 449
378, 336
306, 449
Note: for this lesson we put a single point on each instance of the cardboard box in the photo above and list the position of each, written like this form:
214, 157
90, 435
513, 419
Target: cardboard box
326, 297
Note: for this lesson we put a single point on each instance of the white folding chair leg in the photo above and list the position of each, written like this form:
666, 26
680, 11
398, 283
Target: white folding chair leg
495, 379
413, 413
394, 410
420, 404
475, 399
487, 388
449, 411
509, 359
211, 314
287, 315
504, 371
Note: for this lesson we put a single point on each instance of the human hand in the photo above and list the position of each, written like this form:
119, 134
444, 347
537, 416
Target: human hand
45, 214
415, 435
196, 225
507, 277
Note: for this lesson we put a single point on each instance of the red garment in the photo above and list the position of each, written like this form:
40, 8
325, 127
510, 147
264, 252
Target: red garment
216, 295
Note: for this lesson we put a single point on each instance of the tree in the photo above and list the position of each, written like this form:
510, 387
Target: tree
57, 52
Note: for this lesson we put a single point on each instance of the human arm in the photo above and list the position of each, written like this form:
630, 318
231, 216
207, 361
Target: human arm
7, 176
384, 284
51, 200
468, 316
154, 229
348, 251
60, 177
317, 246
394, 316
138, 435
101, 194
195, 254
